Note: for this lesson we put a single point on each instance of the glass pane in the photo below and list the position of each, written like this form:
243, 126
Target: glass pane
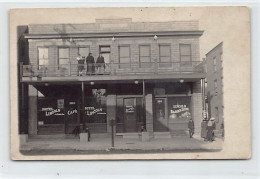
185, 58
43, 53
185, 49
64, 61
63, 52
144, 51
125, 60
104, 49
144, 59
179, 107
83, 51
165, 59
43, 61
165, 51
124, 52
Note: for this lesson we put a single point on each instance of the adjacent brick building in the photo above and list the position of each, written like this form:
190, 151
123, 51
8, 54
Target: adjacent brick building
214, 86
151, 77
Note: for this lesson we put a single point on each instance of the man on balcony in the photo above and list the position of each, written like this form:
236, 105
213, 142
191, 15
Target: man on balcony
100, 63
90, 64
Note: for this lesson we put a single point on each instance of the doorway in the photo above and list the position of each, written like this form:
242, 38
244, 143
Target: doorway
161, 120
130, 114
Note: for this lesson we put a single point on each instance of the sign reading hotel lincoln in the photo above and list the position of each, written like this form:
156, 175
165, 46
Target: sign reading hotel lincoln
147, 76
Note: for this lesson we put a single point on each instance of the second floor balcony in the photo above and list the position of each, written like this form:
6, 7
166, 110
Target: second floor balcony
102, 70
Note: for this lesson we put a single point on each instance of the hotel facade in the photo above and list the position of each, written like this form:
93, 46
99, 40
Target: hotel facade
151, 77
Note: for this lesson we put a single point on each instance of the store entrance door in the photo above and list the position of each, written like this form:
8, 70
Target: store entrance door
160, 121
130, 114
72, 116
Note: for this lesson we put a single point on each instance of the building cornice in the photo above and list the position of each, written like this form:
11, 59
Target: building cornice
113, 34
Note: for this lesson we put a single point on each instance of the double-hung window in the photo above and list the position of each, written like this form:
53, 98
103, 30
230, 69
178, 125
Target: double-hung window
144, 56
124, 56
165, 56
63, 57
43, 57
185, 54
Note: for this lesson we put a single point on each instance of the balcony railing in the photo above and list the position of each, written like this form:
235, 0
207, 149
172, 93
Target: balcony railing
70, 69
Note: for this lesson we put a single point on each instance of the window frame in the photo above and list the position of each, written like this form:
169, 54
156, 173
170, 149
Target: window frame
38, 57
184, 62
148, 45
78, 47
63, 47
170, 56
130, 61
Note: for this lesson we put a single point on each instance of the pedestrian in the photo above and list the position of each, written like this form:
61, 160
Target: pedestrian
100, 63
210, 129
80, 60
191, 127
143, 129
88, 131
90, 64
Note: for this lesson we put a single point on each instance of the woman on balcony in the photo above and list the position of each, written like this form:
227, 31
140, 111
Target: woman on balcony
80, 60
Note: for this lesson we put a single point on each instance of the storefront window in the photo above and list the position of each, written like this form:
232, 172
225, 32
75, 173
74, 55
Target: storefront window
51, 111
179, 107
95, 109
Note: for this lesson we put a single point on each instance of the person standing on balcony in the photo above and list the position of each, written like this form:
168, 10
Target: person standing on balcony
81, 61
100, 64
90, 64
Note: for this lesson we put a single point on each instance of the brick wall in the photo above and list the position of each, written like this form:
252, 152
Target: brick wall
215, 95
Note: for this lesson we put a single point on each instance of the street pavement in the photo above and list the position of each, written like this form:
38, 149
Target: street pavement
121, 145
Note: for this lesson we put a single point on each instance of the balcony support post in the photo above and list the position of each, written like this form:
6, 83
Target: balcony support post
144, 110
83, 104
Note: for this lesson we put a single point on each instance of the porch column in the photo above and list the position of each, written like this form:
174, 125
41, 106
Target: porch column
32, 110
83, 105
111, 111
197, 105
149, 112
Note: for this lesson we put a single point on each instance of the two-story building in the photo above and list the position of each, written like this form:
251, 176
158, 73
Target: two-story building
151, 77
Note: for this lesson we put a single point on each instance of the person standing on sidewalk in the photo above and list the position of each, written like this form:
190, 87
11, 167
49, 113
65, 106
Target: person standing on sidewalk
210, 127
191, 127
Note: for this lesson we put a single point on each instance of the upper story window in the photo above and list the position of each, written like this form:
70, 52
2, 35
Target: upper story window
144, 56
63, 57
83, 51
124, 56
43, 56
215, 63
165, 55
185, 54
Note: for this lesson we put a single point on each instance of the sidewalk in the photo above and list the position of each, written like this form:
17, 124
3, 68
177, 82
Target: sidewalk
99, 144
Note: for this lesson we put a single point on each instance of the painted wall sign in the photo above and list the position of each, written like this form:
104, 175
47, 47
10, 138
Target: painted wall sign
90, 111
73, 111
179, 107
